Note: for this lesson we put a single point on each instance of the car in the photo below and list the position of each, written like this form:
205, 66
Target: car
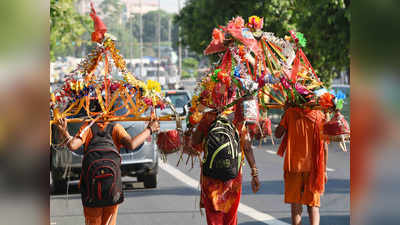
141, 162
181, 100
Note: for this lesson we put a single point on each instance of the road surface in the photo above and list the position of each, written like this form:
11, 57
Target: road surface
176, 199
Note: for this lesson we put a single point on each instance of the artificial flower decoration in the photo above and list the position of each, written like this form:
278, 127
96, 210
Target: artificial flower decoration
239, 22
153, 87
302, 39
218, 36
326, 100
301, 89
255, 23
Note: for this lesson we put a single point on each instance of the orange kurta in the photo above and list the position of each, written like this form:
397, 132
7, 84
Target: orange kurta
300, 140
104, 215
304, 157
118, 133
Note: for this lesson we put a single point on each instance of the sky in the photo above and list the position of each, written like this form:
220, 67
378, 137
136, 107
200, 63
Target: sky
170, 6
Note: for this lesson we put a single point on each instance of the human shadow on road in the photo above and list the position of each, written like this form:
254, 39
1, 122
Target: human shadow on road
176, 190
325, 220
276, 187
73, 190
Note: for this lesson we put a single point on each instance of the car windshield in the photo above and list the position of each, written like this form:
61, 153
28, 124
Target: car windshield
178, 99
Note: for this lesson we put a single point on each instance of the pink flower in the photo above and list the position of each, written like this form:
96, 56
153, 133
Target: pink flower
239, 22
301, 89
148, 101
285, 83
161, 105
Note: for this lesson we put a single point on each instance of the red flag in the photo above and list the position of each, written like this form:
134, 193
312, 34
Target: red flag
99, 27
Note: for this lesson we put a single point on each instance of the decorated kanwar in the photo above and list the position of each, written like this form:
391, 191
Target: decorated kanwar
256, 71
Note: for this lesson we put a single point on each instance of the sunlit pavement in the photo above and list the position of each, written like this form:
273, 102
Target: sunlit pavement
176, 202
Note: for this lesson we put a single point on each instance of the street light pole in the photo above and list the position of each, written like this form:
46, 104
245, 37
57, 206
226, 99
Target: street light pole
141, 40
179, 45
159, 39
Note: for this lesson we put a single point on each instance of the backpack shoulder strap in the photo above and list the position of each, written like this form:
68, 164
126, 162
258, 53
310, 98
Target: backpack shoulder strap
109, 129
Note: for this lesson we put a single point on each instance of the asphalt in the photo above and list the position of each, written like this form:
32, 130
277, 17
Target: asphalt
174, 202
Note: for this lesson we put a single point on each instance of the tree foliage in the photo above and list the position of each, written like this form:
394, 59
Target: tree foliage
189, 67
66, 28
325, 24
71, 32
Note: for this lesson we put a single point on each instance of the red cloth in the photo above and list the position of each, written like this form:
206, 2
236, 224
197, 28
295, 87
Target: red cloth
221, 200
99, 27
251, 43
168, 141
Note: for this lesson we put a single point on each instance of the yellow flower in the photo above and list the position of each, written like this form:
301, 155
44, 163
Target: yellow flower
153, 86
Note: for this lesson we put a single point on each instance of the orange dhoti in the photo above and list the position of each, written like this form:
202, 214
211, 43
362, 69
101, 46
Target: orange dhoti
101, 216
221, 199
297, 189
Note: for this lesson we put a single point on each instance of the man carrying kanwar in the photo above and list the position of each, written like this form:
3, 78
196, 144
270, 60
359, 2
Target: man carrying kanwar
100, 182
220, 187
305, 154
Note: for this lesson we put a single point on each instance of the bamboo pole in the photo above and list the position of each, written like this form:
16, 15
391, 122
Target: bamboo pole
148, 118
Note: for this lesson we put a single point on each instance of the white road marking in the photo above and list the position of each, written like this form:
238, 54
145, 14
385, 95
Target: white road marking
271, 152
244, 209
330, 169
52, 223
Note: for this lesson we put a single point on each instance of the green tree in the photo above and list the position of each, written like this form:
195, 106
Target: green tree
66, 28
117, 22
325, 24
189, 67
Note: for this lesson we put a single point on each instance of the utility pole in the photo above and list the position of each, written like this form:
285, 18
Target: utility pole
179, 45
169, 31
159, 39
141, 40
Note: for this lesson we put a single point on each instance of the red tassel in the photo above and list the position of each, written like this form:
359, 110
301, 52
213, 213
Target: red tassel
99, 27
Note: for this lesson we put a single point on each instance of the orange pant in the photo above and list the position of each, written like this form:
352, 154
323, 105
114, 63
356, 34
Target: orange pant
297, 191
101, 216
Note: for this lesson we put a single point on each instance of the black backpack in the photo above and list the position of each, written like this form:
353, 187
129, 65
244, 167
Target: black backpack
222, 157
101, 183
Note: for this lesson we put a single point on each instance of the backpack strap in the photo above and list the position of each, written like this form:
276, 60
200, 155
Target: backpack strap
101, 137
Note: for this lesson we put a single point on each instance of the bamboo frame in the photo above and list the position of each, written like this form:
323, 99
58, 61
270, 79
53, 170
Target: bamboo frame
147, 118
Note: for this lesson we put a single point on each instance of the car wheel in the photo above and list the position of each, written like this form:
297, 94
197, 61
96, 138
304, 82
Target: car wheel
150, 181
59, 183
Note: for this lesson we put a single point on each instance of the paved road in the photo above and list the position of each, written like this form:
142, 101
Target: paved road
175, 200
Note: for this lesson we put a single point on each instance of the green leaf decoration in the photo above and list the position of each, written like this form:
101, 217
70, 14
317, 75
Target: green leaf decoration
214, 77
339, 104
302, 39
